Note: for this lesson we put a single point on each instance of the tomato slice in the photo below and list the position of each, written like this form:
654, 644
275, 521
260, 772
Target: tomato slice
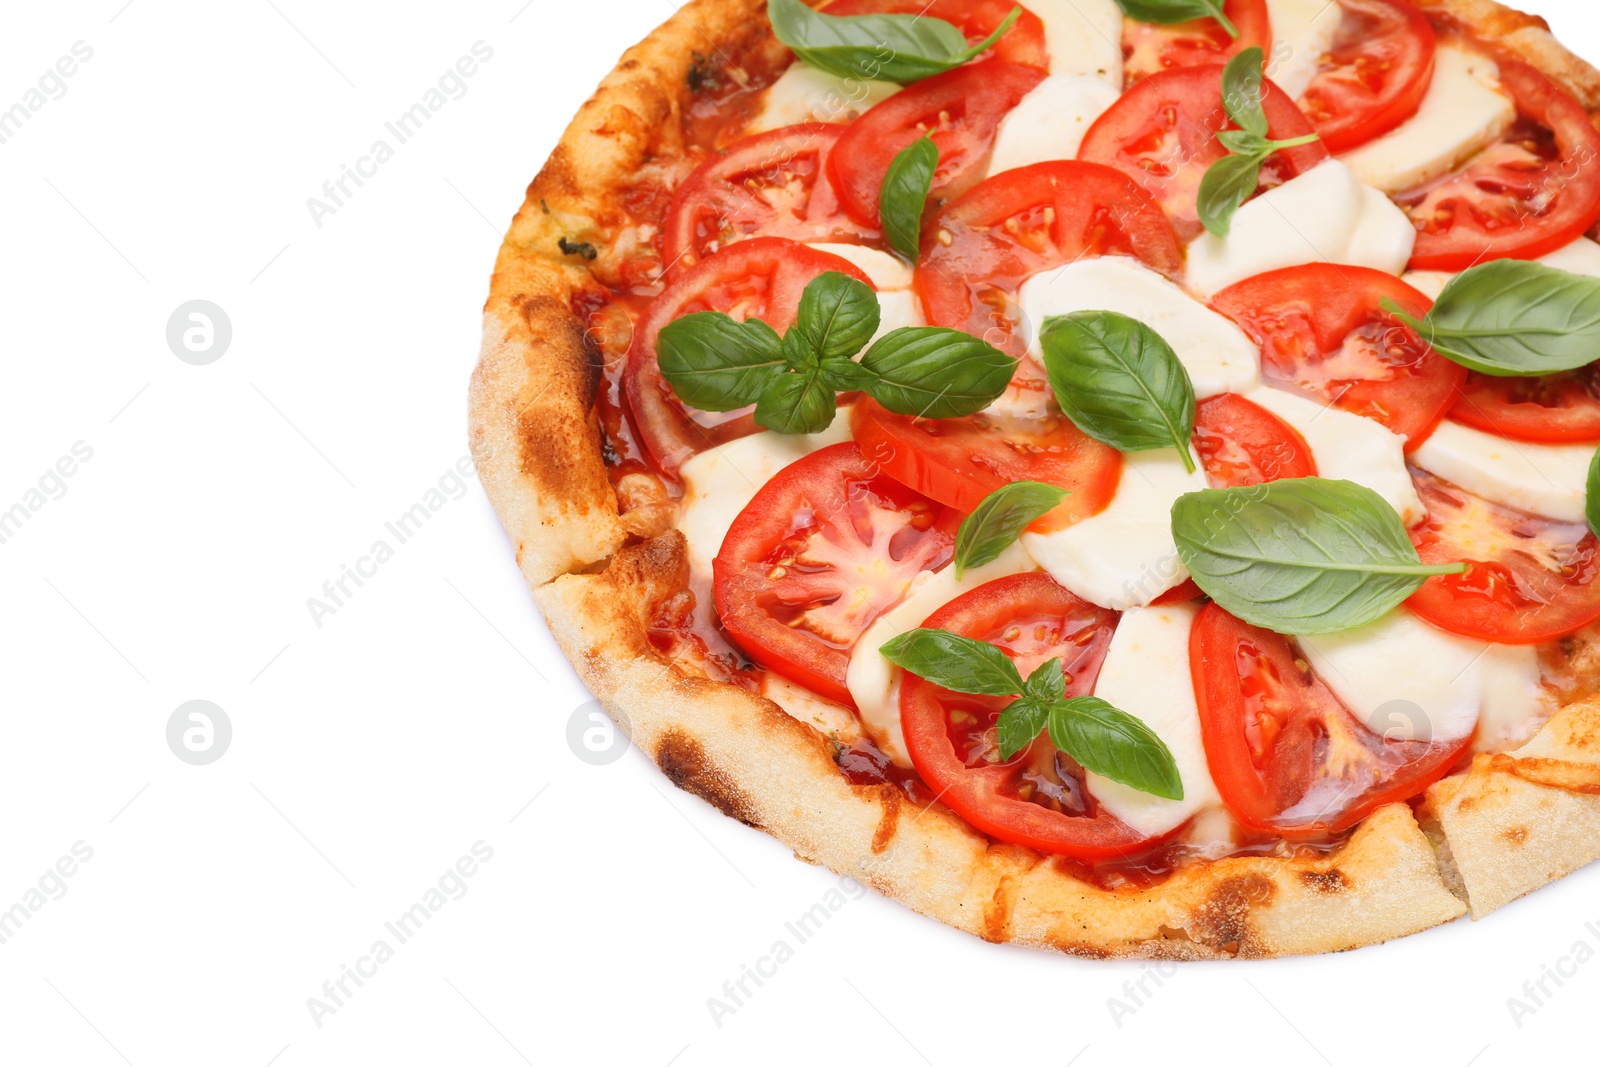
769, 185
1321, 330
1555, 408
958, 462
1149, 48
1163, 134
760, 278
1286, 754
1037, 798
1023, 43
984, 244
820, 552
961, 109
1375, 74
1241, 443
1521, 198
1528, 579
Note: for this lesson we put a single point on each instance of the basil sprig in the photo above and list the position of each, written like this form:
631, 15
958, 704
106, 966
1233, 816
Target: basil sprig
1299, 555
1166, 12
1512, 318
904, 195
1231, 180
1119, 381
1107, 741
999, 518
717, 363
897, 48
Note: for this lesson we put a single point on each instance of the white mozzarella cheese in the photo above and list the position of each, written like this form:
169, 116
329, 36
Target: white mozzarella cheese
1462, 113
1215, 352
1123, 556
1146, 674
805, 94
1323, 216
1515, 701
1049, 123
873, 681
1302, 32
896, 309
1581, 256
1082, 37
1409, 681
1350, 447
1430, 283
888, 272
1542, 479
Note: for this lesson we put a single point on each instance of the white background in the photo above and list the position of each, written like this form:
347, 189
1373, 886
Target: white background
430, 711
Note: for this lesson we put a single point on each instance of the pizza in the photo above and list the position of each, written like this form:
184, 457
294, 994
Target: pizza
1116, 476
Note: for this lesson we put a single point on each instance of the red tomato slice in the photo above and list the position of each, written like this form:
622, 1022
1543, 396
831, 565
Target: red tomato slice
1374, 76
1286, 755
958, 462
1038, 798
1241, 443
1556, 408
1526, 196
983, 245
1149, 48
769, 185
1163, 134
1322, 331
976, 19
1528, 579
817, 555
960, 108
760, 278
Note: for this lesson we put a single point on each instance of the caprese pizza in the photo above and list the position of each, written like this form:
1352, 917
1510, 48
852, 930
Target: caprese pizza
1113, 475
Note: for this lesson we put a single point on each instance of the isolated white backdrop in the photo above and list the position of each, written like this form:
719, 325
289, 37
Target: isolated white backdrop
427, 716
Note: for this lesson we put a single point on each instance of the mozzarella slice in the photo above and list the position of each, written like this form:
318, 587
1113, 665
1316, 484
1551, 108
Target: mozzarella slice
1462, 113
1049, 123
887, 272
1146, 674
805, 94
1302, 32
873, 681
1581, 256
1083, 37
897, 309
1350, 447
1323, 216
1430, 283
1215, 352
1542, 479
1409, 681
1515, 701
1124, 556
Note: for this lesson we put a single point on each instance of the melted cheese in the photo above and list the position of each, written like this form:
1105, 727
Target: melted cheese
1082, 37
805, 94
1049, 123
887, 272
1546, 480
1302, 32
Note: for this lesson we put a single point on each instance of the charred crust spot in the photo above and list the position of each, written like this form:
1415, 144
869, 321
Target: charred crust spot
1331, 880
683, 760
890, 797
1223, 921
702, 75
1515, 835
997, 912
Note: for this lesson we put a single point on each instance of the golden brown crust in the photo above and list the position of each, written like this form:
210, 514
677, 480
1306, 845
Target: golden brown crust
535, 431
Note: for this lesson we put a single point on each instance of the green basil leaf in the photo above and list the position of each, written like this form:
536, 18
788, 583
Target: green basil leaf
1591, 500
898, 48
999, 519
1166, 12
1228, 182
904, 196
844, 375
715, 362
1299, 555
935, 373
1241, 91
1020, 722
1244, 143
797, 402
1047, 682
1119, 381
1512, 318
957, 663
838, 315
1115, 745
798, 353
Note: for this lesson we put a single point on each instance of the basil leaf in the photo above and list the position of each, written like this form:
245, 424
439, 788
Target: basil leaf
1047, 682
1166, 12
1244, 143
1591, 500
797, 402
957, 663
1019, 723
1241, 91
1119, 381
845, 375
838, 315
936, 373
1299, 555
1512, 318
1115, 745
904, 196
715, 362
1228, 182
899, 48
999, 518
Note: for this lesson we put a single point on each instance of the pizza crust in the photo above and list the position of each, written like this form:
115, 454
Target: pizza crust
535, 433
